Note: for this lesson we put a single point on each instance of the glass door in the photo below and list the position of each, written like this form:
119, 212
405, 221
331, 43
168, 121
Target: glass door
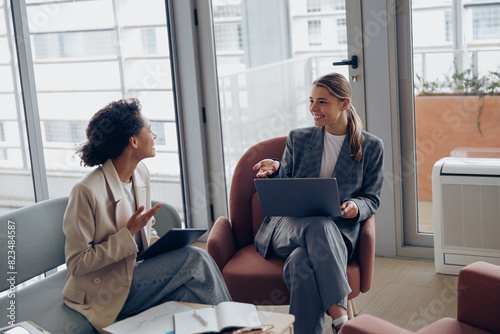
268, 53
455, 97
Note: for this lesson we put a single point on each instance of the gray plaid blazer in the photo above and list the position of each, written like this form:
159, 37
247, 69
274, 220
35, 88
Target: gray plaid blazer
359, 182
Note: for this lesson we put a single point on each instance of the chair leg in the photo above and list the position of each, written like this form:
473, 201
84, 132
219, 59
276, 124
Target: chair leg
354, 309
350, 313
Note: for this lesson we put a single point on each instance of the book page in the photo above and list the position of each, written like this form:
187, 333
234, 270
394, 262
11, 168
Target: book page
24, 327
156, 320
234, 314
188, 323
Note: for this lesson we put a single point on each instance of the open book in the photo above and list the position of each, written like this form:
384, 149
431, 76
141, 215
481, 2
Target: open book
223, 317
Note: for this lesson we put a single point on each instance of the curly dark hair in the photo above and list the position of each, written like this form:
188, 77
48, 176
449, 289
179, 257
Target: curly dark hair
109, 131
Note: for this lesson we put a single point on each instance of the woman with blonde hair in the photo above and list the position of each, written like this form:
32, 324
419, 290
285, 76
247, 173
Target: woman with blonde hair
318, 249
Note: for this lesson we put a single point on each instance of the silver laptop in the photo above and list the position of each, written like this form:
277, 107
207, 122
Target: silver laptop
299, 197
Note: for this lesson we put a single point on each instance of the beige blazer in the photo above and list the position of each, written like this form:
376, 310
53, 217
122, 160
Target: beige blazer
100, 252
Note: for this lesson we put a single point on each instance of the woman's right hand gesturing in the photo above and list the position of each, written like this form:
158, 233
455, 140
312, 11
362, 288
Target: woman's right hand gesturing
138, 221
266, 167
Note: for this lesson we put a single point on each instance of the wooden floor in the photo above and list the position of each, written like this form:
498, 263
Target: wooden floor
407, 293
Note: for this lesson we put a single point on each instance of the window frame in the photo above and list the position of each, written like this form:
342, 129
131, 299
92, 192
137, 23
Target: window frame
198, 120
30, 101
409, 242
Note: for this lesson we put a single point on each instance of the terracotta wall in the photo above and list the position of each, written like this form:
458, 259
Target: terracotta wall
444, 123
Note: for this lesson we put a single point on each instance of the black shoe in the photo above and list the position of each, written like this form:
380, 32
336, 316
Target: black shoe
336, 330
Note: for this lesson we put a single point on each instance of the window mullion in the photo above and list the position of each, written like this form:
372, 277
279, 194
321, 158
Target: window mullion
189, 105
28, 89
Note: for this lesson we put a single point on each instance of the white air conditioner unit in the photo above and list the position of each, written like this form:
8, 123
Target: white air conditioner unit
466, 208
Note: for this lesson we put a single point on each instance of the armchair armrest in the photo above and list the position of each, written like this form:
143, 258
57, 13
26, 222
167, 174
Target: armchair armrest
366, 257
478, 291
368, 324
220, 243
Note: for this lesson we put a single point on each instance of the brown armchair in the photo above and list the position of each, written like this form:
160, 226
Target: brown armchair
477, 309
251, 278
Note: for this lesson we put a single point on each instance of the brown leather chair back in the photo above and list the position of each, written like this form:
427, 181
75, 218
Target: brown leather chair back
244, 206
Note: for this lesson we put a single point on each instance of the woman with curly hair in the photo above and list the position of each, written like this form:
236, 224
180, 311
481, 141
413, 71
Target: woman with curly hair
109, 220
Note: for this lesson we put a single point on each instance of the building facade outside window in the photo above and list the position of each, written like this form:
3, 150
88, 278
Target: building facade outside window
325, 5
448, 19
3, 152
341, 32
314, 32
228, 37
148, 38
486, 23
65, 132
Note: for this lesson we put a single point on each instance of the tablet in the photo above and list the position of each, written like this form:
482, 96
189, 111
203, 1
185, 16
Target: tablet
175, 238
299, 197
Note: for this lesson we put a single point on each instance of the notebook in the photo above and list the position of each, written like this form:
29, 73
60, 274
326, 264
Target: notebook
173, 239
299, 197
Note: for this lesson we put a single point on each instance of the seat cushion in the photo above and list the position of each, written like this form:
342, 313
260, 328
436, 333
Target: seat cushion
450, 326
42, 303
253, 279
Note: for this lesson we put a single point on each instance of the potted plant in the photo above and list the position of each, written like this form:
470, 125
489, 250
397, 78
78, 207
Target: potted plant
462, 110
465, 83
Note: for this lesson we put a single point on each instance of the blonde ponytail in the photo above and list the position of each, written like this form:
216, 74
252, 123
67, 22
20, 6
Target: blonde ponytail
356, 137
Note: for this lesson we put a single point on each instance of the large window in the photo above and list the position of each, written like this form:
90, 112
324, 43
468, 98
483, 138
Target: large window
85, 55
15, 169
265, 94
456, 66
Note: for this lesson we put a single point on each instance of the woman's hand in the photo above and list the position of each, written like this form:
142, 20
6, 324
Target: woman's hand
350, 209
138, 221
266, 167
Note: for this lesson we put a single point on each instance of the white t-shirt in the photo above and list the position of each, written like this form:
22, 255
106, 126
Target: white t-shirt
331, 150
128, 190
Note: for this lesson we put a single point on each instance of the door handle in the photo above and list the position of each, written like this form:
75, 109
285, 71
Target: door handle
353, 62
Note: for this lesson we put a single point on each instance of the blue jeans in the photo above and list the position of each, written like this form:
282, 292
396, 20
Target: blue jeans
187, 274
315, 268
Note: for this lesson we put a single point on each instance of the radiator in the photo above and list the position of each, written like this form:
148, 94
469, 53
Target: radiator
466, 212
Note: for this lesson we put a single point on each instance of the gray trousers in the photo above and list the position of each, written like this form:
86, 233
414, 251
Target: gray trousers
187, 274
315, 268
